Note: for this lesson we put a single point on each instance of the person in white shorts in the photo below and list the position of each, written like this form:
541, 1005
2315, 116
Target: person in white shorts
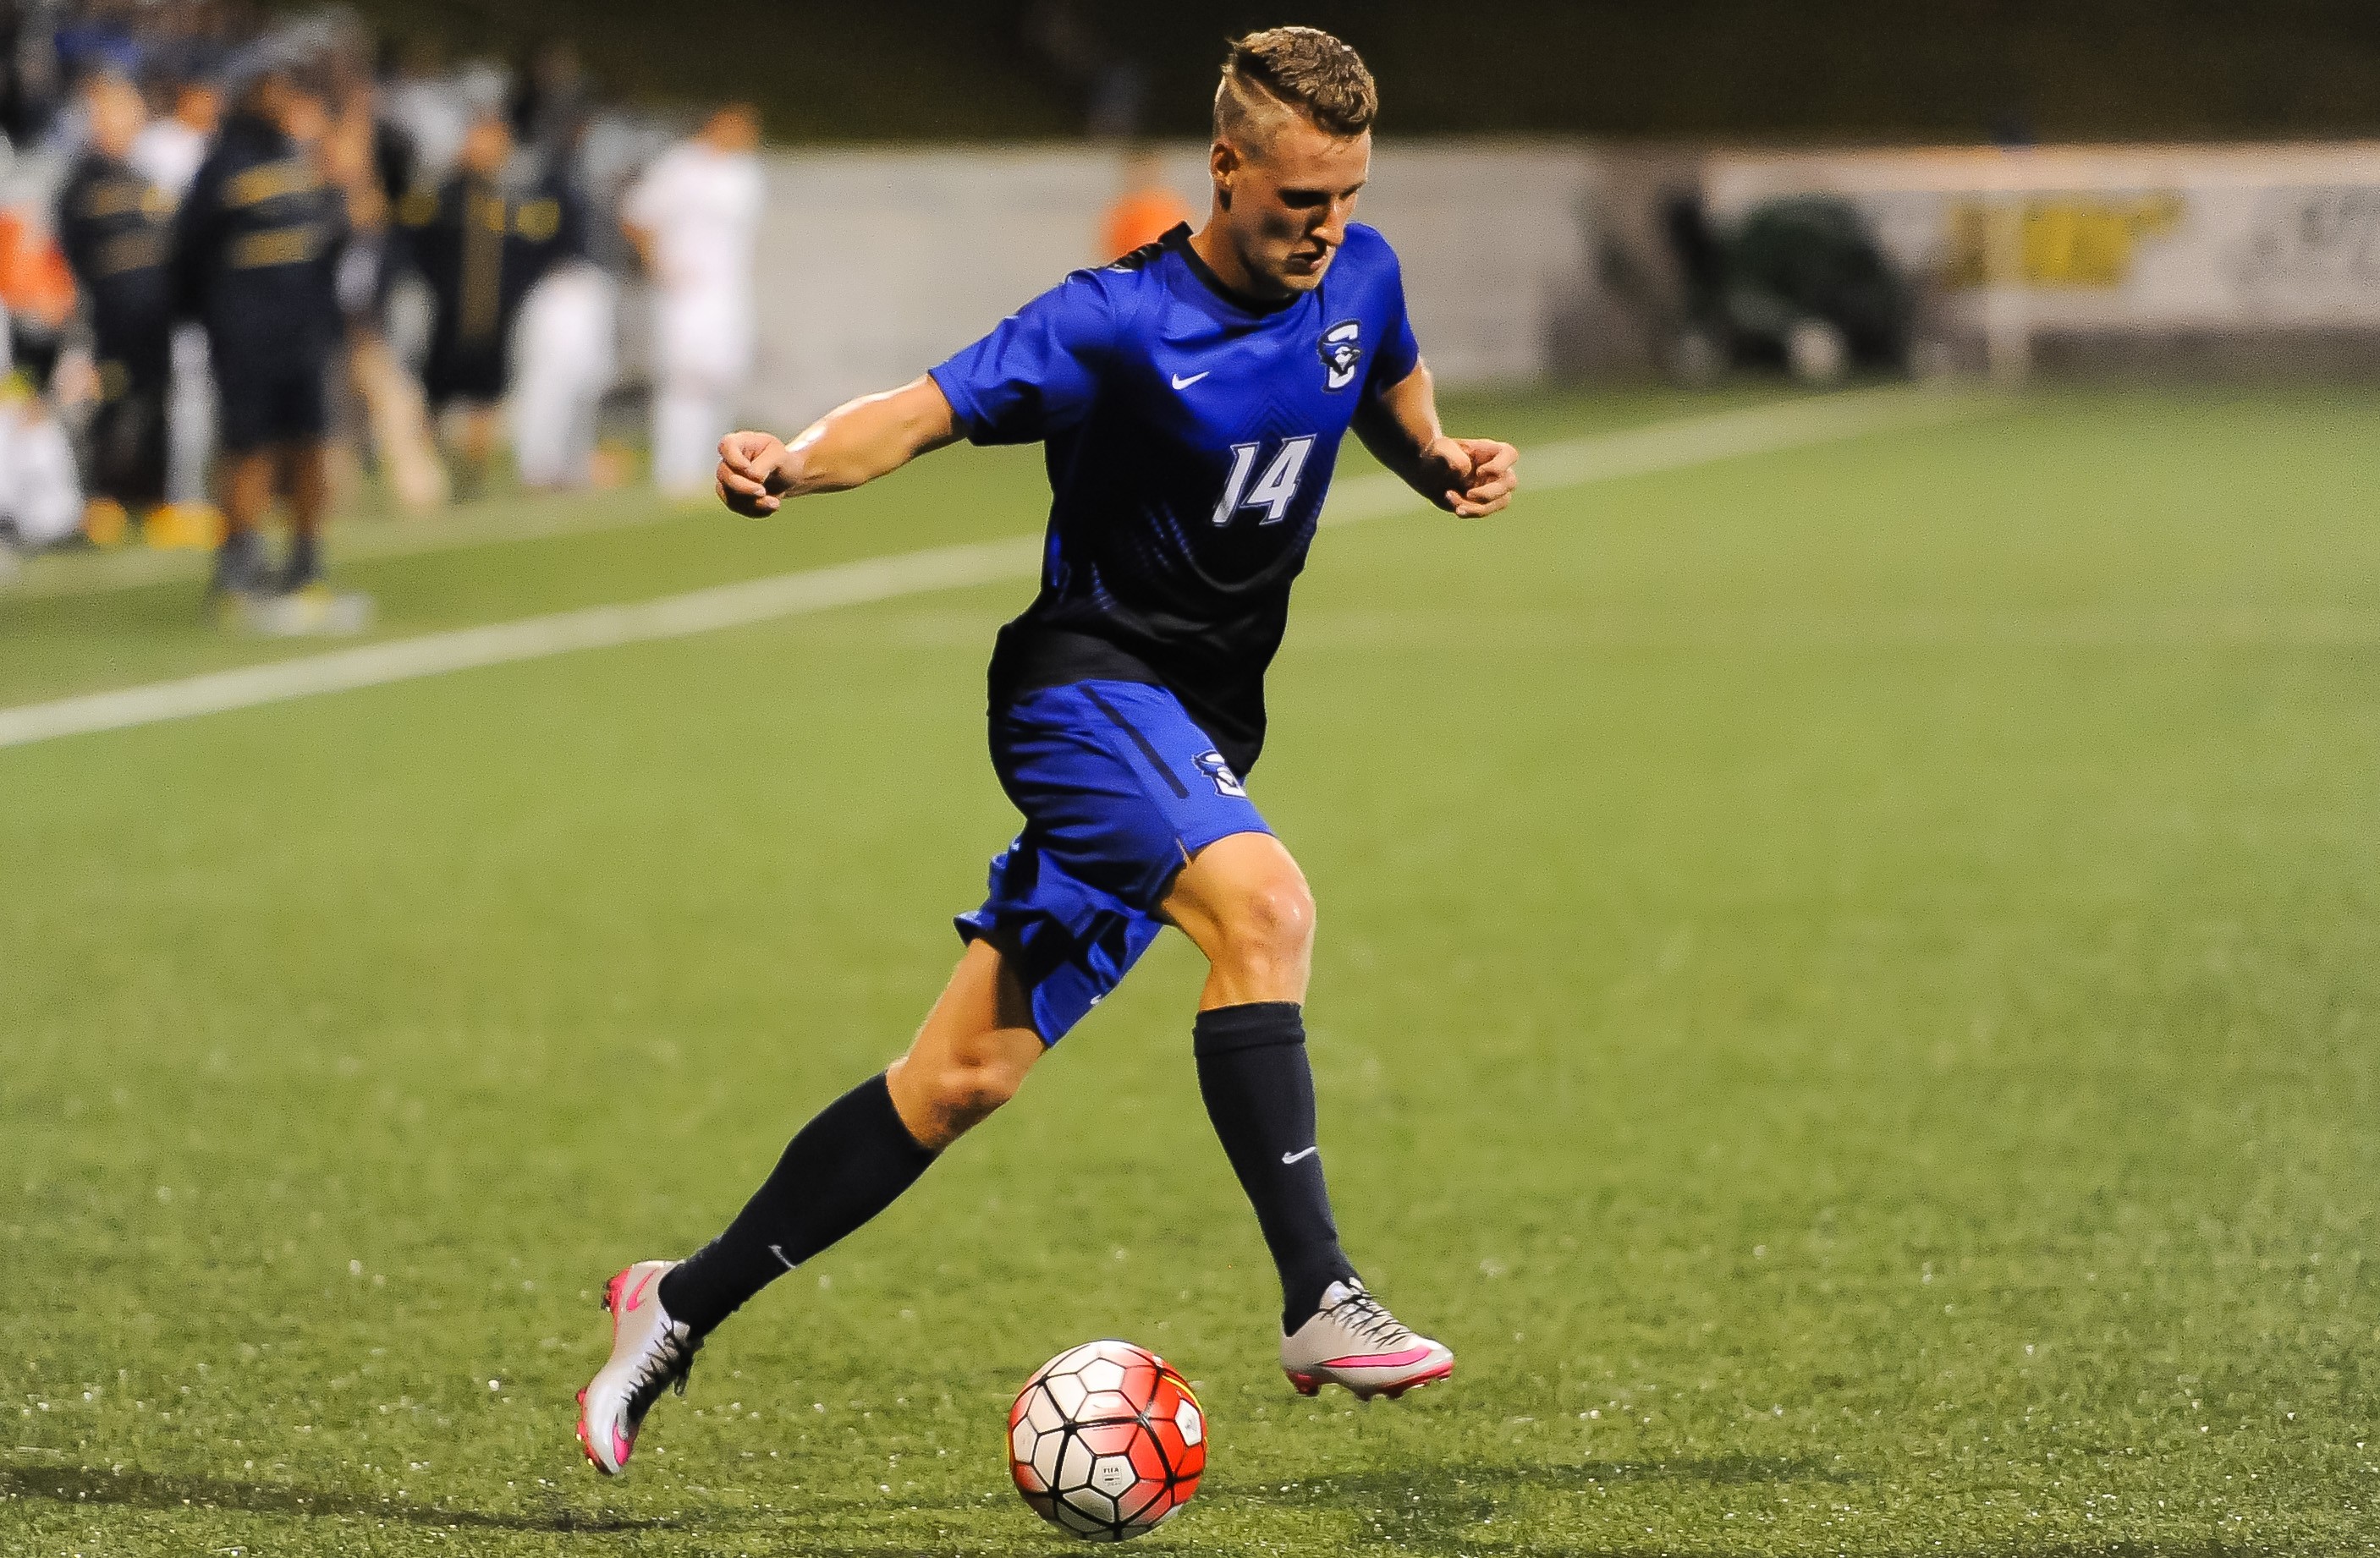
694, 218
563, 363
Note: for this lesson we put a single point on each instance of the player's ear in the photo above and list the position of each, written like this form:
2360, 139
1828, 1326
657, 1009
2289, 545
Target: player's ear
1223, 164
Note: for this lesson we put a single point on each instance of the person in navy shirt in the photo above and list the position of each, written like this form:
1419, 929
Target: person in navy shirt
1190, 400
257, 242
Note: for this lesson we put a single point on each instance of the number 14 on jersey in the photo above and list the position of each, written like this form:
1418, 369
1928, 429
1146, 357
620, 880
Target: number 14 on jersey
1273, 491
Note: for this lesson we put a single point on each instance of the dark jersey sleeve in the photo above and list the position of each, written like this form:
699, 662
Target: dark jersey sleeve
72, 230
77, 241
412, 219
1038, 372
198, 224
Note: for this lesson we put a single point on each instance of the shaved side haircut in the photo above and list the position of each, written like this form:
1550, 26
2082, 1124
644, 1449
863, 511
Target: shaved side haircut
1285, 70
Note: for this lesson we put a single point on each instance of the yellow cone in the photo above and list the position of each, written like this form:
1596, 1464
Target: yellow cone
104, 522
192, 526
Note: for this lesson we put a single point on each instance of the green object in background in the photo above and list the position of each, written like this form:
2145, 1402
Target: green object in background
1813, 258
1844, 992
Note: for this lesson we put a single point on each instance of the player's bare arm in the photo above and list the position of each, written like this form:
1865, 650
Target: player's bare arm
848, 447
1470, 477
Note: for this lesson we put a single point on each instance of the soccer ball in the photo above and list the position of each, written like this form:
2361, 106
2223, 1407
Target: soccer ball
1106, 1441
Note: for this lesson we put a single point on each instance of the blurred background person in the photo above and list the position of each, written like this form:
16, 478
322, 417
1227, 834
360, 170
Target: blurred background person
565, 362
481, 245
548, 101
170, 147
167, 153
36, 288
564, 347
432, 107
256, 247
40, 492
694, 218
32, 84
114, 227
1147, 210
381, 412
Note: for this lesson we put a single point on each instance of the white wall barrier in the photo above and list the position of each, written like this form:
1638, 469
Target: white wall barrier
2143, 240
874, 265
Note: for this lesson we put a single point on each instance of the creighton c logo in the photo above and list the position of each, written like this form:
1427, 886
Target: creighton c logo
1341, 350
1211, 763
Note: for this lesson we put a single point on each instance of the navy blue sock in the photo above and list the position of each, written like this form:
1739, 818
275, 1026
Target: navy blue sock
1259, 1094
851, 1161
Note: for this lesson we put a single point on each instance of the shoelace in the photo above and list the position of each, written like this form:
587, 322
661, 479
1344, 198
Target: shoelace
668, 1364
1363, 1315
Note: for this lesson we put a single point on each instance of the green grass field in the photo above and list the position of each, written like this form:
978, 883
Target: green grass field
1848, 992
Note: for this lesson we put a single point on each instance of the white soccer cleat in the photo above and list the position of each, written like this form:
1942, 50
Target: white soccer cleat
1354, 1341
650, 1353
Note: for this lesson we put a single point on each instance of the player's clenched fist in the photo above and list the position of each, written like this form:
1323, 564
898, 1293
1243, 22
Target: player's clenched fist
752, 478
1476, 475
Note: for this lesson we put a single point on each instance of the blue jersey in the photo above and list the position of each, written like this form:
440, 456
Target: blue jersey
1190, 435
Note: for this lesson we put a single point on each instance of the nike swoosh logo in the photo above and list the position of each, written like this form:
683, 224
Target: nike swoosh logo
1181, 383
1292, 1157
1404, 1359
638, 1295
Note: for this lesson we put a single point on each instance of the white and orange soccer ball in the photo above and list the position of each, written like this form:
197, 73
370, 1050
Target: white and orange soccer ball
1106, 1441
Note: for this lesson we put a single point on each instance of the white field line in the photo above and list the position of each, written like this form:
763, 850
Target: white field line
597, 627
51, 575
1687, 441
1664, 446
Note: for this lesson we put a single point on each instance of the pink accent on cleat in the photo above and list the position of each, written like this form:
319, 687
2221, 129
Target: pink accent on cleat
1393, 1392
650, 1353
1379, 1359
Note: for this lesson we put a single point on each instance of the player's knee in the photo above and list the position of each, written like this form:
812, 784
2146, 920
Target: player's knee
968, 1088
1270, 921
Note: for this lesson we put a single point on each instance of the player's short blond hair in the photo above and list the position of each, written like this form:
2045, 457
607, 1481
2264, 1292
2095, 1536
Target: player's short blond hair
1285, 70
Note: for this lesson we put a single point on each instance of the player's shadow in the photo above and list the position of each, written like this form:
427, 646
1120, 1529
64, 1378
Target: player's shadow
1443, 1505
1440, 1503
149, 1490
1454, 1482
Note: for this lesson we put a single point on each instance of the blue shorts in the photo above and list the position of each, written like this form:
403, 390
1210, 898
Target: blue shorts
1119, 788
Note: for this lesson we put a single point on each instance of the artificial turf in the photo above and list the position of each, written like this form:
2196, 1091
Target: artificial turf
1848, 992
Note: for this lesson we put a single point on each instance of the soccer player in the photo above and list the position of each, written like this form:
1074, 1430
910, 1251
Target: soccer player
114, 227
1192, 398
167, 154
256, 250
480, 245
